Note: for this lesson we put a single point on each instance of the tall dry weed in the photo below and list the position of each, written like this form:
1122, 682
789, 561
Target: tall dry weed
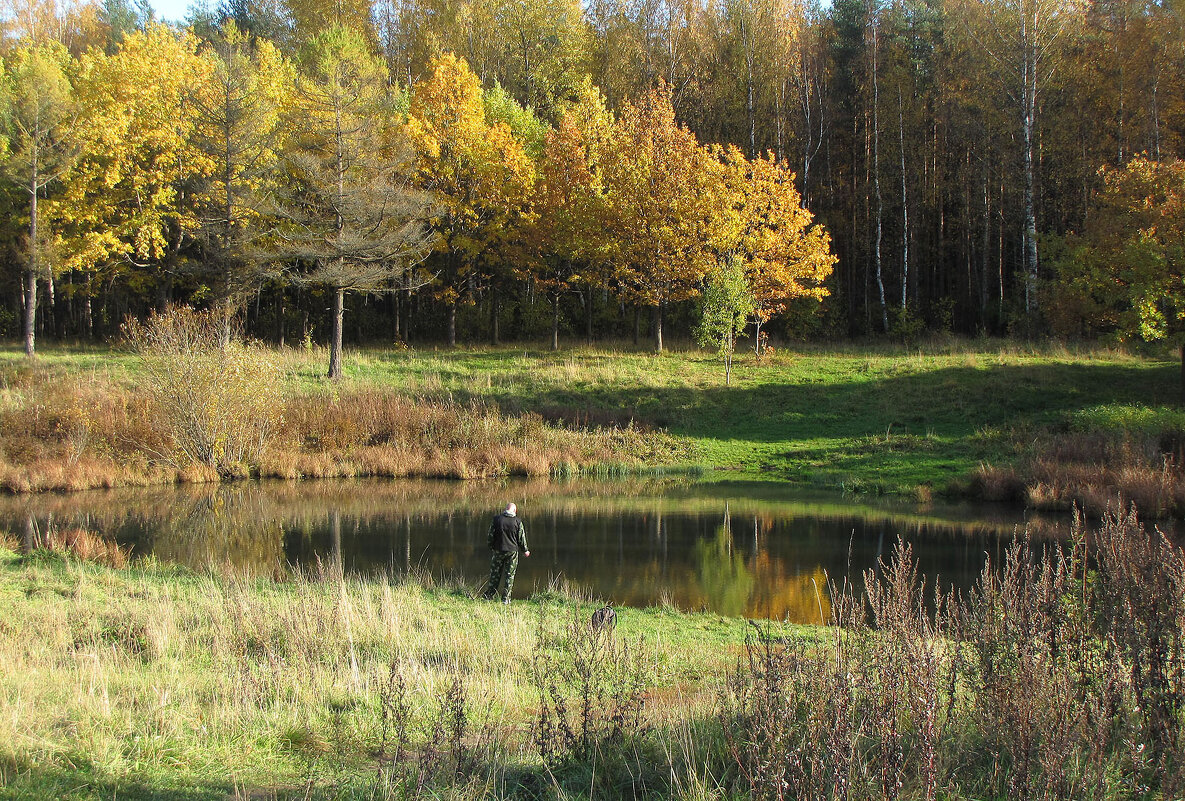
1140, 612
592, 690
1058, 676
1032, 678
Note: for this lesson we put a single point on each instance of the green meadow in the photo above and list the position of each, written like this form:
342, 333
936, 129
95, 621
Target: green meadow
152, 681
876, 419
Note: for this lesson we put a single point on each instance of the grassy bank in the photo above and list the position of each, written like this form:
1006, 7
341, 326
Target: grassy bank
1056, 678
1044, 425
152, 681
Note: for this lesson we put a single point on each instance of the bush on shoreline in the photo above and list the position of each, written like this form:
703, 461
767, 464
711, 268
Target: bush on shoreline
214, 399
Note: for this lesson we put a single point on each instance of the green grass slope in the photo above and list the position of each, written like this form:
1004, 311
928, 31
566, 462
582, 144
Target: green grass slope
878, 418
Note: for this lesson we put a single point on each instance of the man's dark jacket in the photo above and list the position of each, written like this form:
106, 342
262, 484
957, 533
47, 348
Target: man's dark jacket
507, 534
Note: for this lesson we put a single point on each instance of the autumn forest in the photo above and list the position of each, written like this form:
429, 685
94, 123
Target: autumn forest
458, 171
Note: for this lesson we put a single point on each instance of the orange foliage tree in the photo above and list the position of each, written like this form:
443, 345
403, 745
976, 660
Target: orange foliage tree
480, 172
786, 254
661, 199
572, 206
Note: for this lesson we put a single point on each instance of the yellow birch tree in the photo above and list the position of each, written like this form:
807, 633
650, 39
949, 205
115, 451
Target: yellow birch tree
43, 135
125, 205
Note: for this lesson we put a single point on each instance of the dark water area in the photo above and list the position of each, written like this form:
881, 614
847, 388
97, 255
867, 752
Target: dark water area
743, 549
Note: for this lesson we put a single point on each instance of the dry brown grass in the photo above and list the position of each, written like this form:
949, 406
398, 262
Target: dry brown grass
80, 544
1091, 472
63, 432
59, 432
380, 433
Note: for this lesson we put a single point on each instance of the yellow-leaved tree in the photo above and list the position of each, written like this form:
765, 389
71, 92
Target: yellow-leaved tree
43, 116
662, 188
480, 172
1127, 271
570, 234
762, 222
124, 205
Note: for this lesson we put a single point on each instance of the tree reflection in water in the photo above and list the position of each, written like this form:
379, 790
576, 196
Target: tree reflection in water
759, 551
222, 528
723, 578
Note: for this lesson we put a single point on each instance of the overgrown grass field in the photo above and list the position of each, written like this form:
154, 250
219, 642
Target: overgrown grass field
154, 682
995, 418
1061, 675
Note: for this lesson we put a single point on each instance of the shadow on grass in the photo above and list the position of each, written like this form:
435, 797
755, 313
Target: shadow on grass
950, 401
23, 780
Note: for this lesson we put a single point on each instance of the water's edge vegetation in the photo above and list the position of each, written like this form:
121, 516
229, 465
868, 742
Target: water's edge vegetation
1061, 675
1043, 426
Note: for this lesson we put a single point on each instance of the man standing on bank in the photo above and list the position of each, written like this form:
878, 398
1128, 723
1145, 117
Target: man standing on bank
506, 538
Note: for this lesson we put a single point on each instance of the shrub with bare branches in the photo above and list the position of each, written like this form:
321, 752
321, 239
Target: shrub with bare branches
592, 690
1060, 675
217, 396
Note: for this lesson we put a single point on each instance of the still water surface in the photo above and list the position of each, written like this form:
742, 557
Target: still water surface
754, 550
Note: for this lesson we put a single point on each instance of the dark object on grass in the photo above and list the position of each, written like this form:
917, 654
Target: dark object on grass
604, 619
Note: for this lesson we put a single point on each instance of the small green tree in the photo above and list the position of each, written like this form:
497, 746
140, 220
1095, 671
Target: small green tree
728, 302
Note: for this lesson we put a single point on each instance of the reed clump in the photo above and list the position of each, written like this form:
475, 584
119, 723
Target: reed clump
85, 545
380, 432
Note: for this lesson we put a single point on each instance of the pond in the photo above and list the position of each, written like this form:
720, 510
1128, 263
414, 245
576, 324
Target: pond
759, 550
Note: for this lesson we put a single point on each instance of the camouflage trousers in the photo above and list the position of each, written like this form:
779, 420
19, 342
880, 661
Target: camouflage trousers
502, 567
